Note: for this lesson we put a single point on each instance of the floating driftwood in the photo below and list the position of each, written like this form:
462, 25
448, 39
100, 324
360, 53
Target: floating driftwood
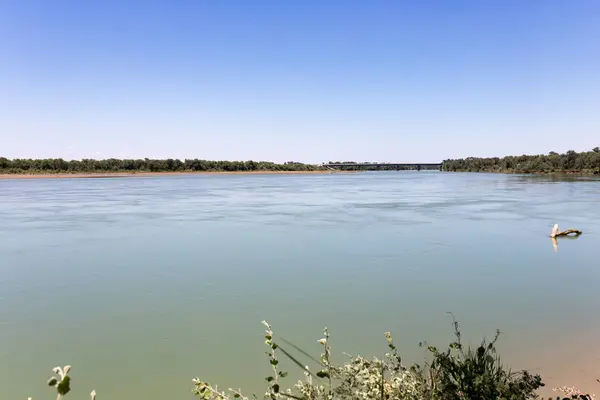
556, 233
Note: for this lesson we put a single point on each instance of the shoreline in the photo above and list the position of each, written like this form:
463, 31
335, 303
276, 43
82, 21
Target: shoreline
100, 175
585, 172
114, 175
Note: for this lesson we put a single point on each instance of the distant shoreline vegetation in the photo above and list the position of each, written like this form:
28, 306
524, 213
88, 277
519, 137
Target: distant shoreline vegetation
112, 165
570, 162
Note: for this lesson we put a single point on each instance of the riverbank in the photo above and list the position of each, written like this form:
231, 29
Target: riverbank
546, 173
569, 163
158, 174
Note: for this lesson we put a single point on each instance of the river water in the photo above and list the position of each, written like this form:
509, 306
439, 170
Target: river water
144, 283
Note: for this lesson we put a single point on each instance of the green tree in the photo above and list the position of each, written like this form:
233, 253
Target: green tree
59, 165
571, 161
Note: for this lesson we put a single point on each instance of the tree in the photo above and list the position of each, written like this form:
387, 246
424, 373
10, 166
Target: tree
553, 162
59, 165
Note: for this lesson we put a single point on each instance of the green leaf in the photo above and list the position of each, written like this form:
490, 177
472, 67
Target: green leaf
283, 374
269, 378
236, 395
274, 362
64, 386
323, 374
276, 388
480, 351
52, 381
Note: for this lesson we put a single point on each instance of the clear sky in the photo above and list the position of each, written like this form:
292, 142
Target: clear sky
313, 81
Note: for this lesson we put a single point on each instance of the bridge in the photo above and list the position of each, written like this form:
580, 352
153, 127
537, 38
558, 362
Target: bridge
384, 166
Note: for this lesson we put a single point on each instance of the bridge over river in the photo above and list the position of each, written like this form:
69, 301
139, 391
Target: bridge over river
384, 166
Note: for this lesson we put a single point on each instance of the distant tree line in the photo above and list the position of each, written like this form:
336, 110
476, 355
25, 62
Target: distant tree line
58, 165
569, 162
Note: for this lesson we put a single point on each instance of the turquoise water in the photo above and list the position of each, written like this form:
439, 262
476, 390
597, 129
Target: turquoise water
144, 283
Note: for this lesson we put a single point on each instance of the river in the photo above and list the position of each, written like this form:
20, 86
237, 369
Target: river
144, 283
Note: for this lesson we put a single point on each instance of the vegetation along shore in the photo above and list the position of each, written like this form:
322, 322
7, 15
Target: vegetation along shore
587, 162
90, 175
58, 166
570, 162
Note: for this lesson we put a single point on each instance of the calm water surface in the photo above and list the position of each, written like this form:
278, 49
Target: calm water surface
144, 283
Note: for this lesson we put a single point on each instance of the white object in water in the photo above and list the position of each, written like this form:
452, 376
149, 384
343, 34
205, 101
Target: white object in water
554, 231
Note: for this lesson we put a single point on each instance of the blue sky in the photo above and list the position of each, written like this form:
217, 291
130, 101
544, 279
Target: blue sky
404, 81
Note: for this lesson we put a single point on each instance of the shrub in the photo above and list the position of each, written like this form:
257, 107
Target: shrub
454, 374
62, 382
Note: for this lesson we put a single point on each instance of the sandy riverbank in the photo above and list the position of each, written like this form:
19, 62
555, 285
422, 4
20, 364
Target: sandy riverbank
156, 174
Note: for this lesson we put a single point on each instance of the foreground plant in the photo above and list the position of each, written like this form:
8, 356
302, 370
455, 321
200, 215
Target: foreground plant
574, 393
62, 382
476, 374
454, 374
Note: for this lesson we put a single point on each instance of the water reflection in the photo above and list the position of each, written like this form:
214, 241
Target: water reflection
556, 178
555, 240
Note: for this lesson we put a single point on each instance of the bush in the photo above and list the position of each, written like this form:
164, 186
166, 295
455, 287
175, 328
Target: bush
454, 374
